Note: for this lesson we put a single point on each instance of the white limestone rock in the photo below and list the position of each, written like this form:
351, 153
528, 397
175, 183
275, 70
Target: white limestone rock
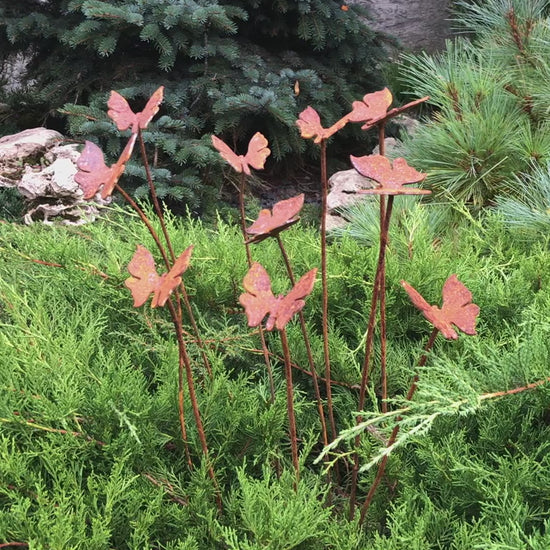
42, 169
343, 192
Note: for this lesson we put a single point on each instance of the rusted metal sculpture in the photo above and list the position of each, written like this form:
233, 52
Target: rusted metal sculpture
391, 179
93, 174
145, 280
457, 308
255, 157
259, 301
309, 123
123, 116
271, 222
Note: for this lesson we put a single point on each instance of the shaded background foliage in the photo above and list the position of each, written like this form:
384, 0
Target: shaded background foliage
230, 68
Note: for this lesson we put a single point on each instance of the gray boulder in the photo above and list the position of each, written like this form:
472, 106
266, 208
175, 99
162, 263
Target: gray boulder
343, 192
42, 168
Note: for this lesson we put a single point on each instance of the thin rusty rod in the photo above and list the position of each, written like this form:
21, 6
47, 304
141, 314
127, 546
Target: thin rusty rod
326, 351
290, 405
153, 192
193, 397
513, 391
168, 241
146, 221
181, 409
394, 112
383, 340
395, 431
382, 293
265, 350
243, 220
307, 344
176, 317
380, 272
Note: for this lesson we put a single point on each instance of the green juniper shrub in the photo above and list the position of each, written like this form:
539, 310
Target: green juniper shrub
78, 357
134, 427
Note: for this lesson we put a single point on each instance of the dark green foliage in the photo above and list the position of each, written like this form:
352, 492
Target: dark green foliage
11, 202
229, 68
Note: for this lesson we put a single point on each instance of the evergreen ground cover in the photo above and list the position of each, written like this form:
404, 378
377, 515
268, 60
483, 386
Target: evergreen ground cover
91, 451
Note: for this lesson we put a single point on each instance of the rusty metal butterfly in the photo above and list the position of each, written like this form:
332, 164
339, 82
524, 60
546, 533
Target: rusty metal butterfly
391, 178
255, 157
271, 222
259, 301
145, 280
94, 174
123, 116
309, 123
457, 308
372, 108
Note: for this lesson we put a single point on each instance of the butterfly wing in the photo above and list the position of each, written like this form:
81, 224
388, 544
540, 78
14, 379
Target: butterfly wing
373, 107
402, 173
375, 167
282, 216
172, 279
309, 123
432, 313
263, 223
457, 307
121, 113
293, 302
151, 108
416, 298
92, 171
144, 277
227, 154
258, 300
257, 152
118, 168
286, 210
391, 179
